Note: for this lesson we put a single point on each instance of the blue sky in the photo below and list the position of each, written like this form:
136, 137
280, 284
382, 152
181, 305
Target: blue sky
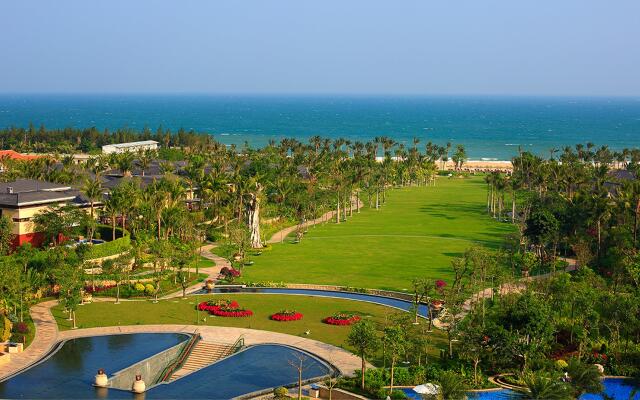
506, 47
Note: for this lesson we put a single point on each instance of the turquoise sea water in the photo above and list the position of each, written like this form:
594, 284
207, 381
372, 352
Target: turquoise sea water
490, 127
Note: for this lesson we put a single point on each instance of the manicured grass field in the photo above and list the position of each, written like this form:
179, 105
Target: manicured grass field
182, 311
415, 234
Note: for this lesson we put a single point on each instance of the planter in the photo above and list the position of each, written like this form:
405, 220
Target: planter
285, 316
341, 319
101, 379
209, 285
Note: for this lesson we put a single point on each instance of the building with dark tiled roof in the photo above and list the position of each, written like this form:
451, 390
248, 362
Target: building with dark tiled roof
22, 199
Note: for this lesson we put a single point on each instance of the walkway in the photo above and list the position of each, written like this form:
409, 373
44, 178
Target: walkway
45, 338
504, 289
212, 272
283, 233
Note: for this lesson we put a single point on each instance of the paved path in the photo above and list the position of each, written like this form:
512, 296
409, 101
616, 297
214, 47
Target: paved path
506, 288
283, 233
212, 272
46, 336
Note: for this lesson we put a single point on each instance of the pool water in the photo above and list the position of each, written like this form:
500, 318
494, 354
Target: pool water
615, 388
254, 369
69, 372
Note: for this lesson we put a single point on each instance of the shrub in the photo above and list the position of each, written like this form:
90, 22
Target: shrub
149, 289
107, 249
232, 312
139, 287
280, 393
21, 327
561, 365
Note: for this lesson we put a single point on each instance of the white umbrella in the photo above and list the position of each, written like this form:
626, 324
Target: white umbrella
427, 388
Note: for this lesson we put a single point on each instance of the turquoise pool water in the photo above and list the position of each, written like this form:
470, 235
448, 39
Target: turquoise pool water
69, 372
615, 388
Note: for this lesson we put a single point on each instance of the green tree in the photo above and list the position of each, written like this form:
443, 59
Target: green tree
6, 234
395, 343
540, 386
364, 338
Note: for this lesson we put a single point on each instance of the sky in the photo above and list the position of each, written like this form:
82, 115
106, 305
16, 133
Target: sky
414, 47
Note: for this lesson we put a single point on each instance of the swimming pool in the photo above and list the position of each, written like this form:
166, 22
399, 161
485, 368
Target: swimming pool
370, 298
615, 388
69, 372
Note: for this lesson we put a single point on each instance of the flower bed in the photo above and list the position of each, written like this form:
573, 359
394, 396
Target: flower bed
232, 312
213, 305
342, 319
286, 315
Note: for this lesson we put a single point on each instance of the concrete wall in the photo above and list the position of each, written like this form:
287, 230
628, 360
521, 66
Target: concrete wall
149, 368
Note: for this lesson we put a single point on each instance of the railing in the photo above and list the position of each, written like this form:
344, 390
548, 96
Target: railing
180, 360
239, 344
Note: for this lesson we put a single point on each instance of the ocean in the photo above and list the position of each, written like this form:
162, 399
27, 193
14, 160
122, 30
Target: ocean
489, 127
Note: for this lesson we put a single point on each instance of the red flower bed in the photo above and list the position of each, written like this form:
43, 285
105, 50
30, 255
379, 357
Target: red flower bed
97, 289
213, 305
286, 315
232, 312
341, 319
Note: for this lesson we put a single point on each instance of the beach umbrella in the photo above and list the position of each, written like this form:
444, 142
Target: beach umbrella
427, 388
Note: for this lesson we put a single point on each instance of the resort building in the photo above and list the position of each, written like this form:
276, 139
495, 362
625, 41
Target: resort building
131, 146
13, 155
21, 200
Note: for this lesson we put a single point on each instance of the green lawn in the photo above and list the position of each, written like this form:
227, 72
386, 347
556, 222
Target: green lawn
182, 311
416, 233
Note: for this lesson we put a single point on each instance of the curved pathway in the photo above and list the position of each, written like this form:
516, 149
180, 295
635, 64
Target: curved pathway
45, 338
506, 288
283, 233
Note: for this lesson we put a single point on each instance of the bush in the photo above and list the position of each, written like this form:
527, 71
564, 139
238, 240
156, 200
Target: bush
280, 393
139, 287
21, 327
109, 248
561, 365
149, 289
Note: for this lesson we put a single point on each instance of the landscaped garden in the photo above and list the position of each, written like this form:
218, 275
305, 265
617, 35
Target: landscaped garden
183, 311
416, 234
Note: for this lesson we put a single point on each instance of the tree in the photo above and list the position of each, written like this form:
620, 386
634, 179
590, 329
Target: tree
57, 223
70, 279
543, 387
584, 378
395, 342
6, 234
298, 363
364, 338
451, 386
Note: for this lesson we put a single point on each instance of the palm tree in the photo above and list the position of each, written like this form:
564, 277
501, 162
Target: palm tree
585, 378
540, 386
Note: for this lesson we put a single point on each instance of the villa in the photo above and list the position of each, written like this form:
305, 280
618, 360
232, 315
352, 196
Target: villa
22, 199
131, 146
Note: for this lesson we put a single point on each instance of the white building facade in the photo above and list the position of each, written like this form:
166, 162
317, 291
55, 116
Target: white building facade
131, 146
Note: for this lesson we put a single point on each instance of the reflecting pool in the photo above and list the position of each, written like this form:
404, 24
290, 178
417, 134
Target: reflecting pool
69, 372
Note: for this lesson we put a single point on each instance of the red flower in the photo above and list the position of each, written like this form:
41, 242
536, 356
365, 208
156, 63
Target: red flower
440, 284
286, 316
341, 319
232, 312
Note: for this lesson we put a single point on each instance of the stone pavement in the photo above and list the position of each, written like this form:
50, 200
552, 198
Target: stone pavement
46, 337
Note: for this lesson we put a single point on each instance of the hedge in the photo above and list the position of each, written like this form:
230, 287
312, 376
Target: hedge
106, 249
